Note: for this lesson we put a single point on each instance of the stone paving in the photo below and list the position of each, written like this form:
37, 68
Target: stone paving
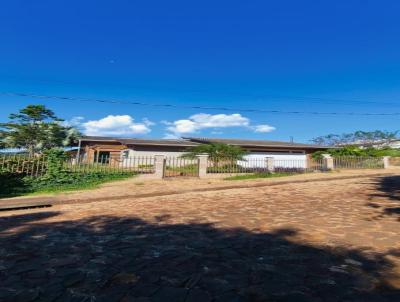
327, 241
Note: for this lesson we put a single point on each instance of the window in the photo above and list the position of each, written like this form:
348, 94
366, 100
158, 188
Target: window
102, 157
125, 154
297, 152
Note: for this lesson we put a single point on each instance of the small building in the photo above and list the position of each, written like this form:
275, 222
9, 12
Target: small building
111, 149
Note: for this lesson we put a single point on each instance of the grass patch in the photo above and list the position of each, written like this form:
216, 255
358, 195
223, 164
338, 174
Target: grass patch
85, 185
29, 186
259, 175
184, 169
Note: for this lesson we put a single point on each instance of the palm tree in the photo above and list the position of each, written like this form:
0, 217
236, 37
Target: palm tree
218, 153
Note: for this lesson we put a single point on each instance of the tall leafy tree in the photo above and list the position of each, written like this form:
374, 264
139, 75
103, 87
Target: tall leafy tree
366, 138
35, 128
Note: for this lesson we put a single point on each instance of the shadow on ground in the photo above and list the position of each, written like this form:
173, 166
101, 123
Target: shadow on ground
388, 187
128, 259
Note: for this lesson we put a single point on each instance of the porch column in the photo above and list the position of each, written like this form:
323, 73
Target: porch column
269, 161
203, 164
159, 163
386, 162
328, 162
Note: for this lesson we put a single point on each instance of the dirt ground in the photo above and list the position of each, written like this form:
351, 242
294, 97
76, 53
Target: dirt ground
335, 240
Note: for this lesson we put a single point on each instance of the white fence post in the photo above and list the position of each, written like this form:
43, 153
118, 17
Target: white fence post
159, 163
270, 164
328, 162
386, 162
203, 164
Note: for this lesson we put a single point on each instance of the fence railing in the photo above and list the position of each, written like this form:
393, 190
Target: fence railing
316, 164
37, 166
262, 165
230, 165
178, 166
394, 161
30, 166
358, 162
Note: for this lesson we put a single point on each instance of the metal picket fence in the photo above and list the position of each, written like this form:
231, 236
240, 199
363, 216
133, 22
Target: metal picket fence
180, 167
262, 165
37, 166
315, 164
394, 161
28, 165
233, 166
358, 162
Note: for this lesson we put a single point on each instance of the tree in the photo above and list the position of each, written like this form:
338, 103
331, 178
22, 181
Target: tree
357, 151
366, 138
35, 128
217, 152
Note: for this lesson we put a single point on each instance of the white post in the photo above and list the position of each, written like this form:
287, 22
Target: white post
270, 164
328, 162
386, 162
203, 164
159, 163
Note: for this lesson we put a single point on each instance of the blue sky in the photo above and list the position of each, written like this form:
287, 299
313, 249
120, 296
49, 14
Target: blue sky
341, 56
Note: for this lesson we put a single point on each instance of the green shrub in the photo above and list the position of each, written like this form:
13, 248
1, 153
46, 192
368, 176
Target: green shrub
357, 151
57, 177
73, 181
12, 184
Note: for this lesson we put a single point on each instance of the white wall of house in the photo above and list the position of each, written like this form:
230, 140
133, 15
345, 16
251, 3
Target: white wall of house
133, 153
132, 158
284, 159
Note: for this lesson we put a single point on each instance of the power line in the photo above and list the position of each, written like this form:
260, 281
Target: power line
257, 96
139, 103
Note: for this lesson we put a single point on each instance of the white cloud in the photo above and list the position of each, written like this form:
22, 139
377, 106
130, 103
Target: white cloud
73, 122
263, 128
170, 136
116, 125
147, 122
203, 121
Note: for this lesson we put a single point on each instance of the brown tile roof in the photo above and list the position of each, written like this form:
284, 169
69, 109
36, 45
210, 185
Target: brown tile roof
136, 141
254, 143
194, 141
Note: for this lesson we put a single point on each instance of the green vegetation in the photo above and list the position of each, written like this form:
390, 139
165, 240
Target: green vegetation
35, 128
357, 151
358, 143
259, 175
187, 170
222, 156
85, 183
15, 184
217, 151
56, 178
358, 137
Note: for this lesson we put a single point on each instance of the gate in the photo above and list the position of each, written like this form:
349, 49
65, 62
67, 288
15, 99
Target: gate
181, 167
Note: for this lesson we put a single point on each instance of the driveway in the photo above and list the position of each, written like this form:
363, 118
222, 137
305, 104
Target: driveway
334, 240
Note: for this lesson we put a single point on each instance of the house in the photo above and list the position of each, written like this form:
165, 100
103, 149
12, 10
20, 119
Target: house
111, 149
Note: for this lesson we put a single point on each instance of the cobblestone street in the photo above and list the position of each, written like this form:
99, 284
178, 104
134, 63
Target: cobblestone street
326, 241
